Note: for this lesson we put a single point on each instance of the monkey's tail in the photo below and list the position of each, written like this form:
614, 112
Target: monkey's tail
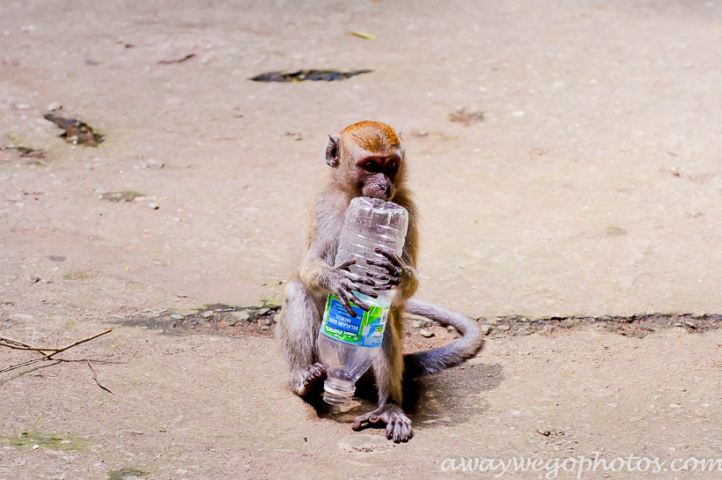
438, 359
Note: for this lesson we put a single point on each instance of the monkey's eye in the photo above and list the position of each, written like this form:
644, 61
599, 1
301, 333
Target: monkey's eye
372, 167
391, 166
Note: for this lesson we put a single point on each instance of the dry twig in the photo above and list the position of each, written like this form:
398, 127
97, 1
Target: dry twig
86, 339
48, 353
95, 377
17, 345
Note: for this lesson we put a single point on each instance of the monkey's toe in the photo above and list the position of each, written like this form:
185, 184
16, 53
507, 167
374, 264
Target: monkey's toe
315, 372
399, 429
310, 376
398, 425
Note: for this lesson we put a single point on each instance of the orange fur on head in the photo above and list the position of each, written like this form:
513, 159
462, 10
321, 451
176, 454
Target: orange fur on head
374, 137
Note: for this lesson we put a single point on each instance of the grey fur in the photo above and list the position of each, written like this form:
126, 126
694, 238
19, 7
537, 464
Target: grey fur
438, 359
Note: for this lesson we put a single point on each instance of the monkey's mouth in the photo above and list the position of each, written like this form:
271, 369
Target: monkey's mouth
381, 193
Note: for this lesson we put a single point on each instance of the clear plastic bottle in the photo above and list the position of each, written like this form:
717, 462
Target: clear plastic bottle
347, 345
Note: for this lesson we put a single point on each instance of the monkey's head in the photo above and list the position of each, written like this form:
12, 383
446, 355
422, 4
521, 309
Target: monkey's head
368, 159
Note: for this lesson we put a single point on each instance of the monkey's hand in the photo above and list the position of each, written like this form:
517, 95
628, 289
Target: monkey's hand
398, 272
343, 282
398, 425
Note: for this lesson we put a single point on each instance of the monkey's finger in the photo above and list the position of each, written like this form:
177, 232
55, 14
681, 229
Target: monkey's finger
359, 303
346, 264
367, 291
359, 279
393, 258
380, 276
344, 302
386, 265
388, 286
390, 280
351, 298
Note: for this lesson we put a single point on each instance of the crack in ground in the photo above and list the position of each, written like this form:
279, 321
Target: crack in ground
215, 319
259, 321
631, 326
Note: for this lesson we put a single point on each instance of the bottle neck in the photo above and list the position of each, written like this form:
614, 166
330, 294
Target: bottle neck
337, 391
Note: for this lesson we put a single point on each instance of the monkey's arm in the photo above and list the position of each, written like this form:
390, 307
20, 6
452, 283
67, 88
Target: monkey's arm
316, 271
319, 276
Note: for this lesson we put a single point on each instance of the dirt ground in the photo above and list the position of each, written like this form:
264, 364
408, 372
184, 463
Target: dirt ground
566, 160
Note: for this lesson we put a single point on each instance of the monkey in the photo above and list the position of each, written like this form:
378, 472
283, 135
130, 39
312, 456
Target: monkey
365, 159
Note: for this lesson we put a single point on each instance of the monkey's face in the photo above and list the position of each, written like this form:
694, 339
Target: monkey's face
377, 174
368, 158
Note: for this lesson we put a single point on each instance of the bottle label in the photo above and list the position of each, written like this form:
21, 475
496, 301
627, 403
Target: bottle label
366, 330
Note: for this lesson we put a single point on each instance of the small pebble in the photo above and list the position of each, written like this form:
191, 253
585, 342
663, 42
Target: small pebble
485, 329
523, 330
426, 333
239, 317
422, 323
54, 106
176, 317
207, 314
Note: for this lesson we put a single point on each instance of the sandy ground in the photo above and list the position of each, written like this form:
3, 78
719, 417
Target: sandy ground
591, 188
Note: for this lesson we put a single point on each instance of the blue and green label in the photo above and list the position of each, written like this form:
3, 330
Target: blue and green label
364, 330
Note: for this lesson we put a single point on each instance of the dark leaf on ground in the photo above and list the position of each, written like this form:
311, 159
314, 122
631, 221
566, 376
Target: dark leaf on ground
26, 152
32, 155
180, 59
307, 75
127, 196
75, 131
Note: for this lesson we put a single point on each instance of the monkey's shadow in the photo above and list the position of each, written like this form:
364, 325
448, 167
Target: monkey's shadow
446, 398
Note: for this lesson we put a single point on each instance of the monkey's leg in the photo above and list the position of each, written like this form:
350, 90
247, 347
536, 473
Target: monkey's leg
297, 330
388, 371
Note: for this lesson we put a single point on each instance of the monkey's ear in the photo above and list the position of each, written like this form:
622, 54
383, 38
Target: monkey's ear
333, 151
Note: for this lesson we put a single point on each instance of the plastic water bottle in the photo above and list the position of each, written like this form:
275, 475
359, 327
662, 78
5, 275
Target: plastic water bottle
347, 345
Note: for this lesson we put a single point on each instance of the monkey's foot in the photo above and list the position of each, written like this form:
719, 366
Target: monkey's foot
309, 377
398, 425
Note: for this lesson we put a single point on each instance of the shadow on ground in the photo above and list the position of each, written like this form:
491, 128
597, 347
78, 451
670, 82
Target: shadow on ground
446, 398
